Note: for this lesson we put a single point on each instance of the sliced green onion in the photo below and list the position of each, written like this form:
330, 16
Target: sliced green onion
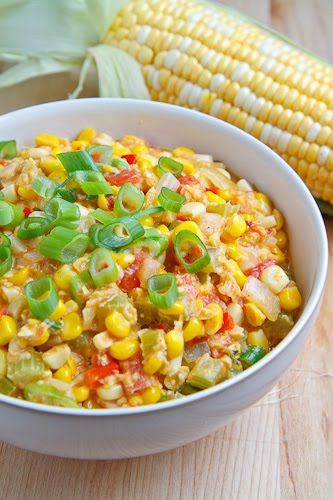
154, 241
32, 227
103, 151
54, 325
119, 163
64, 245
102, 267
74, 161
149, 211
8, 149
195, 242
63, 213
162, 290
94, 232
102, 216
4, 240
65, 194
79, 286
10, 214
119, 234
166, 164
252, 354
170, 200
92, 183
6, 260
47, 394
42, 297
44, 186
129, 200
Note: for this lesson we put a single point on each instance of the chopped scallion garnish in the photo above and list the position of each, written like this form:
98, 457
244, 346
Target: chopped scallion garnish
32, 227
6, 259
74, 161
64, 245
42, 297
170, 200
8, 149
10, 214
100, 153
129, 200
92, 183
118, 234
192, 245
166, 164
63, 213
102, 267
162, 290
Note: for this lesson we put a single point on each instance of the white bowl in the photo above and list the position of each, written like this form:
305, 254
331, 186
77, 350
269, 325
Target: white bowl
119, 433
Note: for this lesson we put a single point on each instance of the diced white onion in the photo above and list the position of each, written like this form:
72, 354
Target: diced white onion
169, 181
57, 356
257, 292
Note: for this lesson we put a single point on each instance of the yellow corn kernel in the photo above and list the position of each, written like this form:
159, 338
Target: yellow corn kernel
248, 217
176, 309
58, 176
64, 374
107, 168
87, 134
139, 149
117, 325
236, 226
253, 314
8, 329
152, 365
175, 343
194, 328
189, 168
59, 311
265, 202
258, 337
56, 151
279, 219
47, 140
282, 239
147, 221
226, 194
214, 198
63, 276
233, 251
124, 349
123, 259
20, 277
41, 337
290, 298
79, 144
187, 225
181, 151
81, 393
102, 202
72, 326
120, 150
135, 400
72, 366
213, 324
49, 165
133, 139
164, 230
237, 272
151, 395
279, 256
26, 193
3, 362
145, 164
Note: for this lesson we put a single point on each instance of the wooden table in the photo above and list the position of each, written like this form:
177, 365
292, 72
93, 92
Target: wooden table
280, 448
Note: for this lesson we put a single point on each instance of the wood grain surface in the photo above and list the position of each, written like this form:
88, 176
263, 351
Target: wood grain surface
282, 448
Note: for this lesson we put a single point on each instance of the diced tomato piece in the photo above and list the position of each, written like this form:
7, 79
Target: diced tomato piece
196, 340
110, 200
95, 375
161, 326
257, 270
27, 211
134, 379
211, 298
123, 177
131, 159
188, 180
228, 323
181, 217
3, 309
194, 254
130, 278
213, 189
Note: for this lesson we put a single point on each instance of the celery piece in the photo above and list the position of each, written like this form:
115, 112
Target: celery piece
48, 395
151, 341
83, 344
191, 354
6, 386
27, 370
206, 372
277, 330
188, 389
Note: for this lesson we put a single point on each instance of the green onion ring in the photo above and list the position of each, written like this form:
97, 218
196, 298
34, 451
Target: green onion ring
166, 164
8, 149
162, 290
42, 297
170, 200
64, 245
6, 259
107, 237
198, 264
130, 195
102, 267
74, 161
92, 183
32, 227
103, 150
63, 213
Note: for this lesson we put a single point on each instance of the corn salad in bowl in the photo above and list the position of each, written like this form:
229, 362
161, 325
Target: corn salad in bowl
132, 275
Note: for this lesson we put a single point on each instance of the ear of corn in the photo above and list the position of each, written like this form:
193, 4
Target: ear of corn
212, 59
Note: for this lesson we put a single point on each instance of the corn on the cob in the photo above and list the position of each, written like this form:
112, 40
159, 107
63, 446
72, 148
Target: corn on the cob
211, 59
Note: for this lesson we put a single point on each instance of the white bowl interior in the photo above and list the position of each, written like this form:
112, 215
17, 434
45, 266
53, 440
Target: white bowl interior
170, 126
